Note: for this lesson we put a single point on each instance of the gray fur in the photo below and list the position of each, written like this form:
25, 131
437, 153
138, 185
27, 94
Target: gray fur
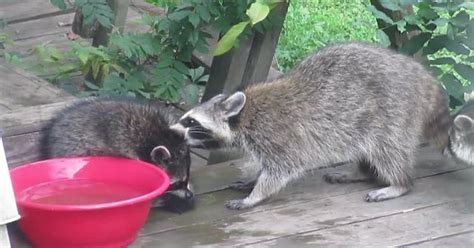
122, 127
461, 134
352, 102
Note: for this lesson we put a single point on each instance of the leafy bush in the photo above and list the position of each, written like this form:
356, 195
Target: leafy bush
444, 34
156, 63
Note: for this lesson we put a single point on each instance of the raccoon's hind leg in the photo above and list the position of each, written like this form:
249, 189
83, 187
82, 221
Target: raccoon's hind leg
268, 183
360, 172
393, 167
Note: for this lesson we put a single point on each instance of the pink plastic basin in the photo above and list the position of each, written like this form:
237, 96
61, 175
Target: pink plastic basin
85, 202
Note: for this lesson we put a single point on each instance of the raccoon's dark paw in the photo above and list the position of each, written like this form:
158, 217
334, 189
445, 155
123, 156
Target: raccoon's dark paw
242, 185
336, 177
237, 204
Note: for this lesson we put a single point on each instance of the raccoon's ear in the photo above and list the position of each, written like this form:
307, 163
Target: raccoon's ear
217, 99
463, 122
233, 104
160, 154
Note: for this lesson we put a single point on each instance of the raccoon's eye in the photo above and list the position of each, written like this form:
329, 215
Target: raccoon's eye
189, 122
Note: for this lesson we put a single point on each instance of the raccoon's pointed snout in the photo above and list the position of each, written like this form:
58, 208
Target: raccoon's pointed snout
188, 194
179, 128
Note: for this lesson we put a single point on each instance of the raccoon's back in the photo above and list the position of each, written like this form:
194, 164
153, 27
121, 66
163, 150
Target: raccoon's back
102, 126
345, 94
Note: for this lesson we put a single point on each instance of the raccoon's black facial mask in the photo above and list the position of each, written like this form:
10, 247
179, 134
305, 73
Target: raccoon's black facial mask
197, 132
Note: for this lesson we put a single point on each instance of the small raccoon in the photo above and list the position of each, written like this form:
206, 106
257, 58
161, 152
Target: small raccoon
461, 134
123, 127
354, 102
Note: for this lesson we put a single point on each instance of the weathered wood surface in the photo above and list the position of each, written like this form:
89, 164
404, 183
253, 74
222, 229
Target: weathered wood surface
20, 89
313, 212
14, 11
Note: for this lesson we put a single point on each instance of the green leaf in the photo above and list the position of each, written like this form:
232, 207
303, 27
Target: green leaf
389, 4
401, 25
442, 61
405, 3
229, 39
435, 44
415, 43
467, 5
412, 19
383, 38
436, 71
179, 15
440, 21
203, 13
104, 21
461, 19
468, 42
465, 71
194, 20
453, 85
181, 67
427, 13
90, 85
457, 47
379, 14
257, 12
190, 94
59, 3
470, 30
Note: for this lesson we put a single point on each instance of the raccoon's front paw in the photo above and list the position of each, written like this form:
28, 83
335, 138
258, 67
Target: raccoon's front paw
242, 185
238, 204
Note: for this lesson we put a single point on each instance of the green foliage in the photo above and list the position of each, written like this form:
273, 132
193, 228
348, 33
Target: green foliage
313, 24
93, 10
444, 34
256, 13
156, 63
10, 57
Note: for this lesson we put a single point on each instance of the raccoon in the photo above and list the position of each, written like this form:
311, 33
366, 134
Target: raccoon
122, 127
461, 134
354, 102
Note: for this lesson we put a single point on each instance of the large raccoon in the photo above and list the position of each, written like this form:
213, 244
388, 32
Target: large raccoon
354, 102
461, 134
123, 127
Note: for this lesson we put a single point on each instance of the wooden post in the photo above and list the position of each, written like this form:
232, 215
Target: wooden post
248, 64
263, 51
120, 9
227, 70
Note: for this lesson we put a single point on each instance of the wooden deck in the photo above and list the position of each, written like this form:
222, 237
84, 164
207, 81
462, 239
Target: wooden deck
439, 212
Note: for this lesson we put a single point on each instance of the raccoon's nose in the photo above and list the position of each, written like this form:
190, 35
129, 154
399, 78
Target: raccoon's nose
189, 194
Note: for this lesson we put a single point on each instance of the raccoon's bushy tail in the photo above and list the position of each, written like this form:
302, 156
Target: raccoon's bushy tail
438, 124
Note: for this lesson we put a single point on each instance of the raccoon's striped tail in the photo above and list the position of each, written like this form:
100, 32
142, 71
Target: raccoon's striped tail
437, 127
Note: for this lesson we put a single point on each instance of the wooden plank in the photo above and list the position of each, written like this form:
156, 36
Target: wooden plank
227, 70
30, 119
319, 213
394, 230
21, 89
14, 11
263, 49
40, 27
462, 239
